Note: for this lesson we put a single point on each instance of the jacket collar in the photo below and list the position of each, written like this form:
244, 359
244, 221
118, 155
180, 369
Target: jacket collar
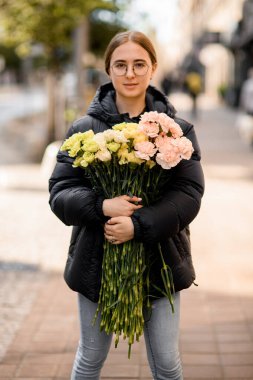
103, 106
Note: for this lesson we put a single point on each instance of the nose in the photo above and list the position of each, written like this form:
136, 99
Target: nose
130, 71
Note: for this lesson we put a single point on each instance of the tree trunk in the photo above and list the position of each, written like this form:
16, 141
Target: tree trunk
81, 48
51, 86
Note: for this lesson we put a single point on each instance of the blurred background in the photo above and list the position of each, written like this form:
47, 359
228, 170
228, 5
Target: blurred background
51, 63
51, 59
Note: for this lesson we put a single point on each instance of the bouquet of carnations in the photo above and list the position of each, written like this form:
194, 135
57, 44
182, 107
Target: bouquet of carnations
130, 158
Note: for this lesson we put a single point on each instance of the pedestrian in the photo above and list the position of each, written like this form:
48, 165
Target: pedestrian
246, 103
130, 62
193, 83
166, 83
194, 73
244, 119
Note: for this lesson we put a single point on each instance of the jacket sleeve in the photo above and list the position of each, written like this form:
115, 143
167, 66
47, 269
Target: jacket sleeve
180, 202
71, 197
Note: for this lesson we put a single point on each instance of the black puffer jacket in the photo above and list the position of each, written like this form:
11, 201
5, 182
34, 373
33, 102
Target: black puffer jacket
166, 221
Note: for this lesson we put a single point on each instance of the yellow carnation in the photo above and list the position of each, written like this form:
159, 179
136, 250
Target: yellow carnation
123, 153
77, 162
150, 164
90, 146
87, 135
74, 149
131, 131
140, 137
74, 142
87, 158
131, 157
113, 146
119, 127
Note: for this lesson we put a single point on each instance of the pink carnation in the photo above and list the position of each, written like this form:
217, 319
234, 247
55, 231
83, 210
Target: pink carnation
153, 122
161, 140
145, 150
152, 116
165, 122
151, 129
175, 130
169, 154
185, 148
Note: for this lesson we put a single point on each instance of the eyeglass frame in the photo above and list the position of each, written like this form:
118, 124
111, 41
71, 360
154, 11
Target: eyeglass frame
138, 75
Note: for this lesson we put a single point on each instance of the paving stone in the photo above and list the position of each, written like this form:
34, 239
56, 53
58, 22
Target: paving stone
202, 372
145, 372
119, 371
236, 359
7, 370
201, 359
64, 370
16, 304
36, 370
235, 348
233, 372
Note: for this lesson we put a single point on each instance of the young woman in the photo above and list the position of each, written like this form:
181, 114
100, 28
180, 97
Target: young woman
130, 62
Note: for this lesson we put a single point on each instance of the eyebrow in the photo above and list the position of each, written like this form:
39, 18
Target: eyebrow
124, 61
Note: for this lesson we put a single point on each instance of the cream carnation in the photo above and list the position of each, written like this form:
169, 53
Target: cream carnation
119, 137
103, 155
109, 135
99, 138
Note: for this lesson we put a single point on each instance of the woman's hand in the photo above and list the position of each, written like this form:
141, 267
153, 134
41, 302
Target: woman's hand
119, 229
120, 206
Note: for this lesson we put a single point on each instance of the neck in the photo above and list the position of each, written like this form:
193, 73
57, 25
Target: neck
132, 106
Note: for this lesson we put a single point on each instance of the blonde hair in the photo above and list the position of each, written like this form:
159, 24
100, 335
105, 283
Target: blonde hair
123, 37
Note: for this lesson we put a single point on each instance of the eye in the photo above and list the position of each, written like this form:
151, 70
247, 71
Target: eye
139, 65
120, 65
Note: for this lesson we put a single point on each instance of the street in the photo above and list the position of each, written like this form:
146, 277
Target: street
15, 103
217, 316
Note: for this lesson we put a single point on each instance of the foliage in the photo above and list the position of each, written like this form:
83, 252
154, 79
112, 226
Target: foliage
103, 23
49, 23
222, 90
12, 60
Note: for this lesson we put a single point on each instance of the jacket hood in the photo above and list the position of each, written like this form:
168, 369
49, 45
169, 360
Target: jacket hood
103, 106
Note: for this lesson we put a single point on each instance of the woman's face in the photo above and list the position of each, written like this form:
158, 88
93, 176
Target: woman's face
131, 55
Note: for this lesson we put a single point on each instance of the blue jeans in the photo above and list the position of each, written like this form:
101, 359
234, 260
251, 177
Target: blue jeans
161, 332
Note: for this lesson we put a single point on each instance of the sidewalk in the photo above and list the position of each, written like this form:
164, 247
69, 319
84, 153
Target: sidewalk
216, 339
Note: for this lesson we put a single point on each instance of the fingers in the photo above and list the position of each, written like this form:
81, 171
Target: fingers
114, 220
112, 239
131, 199
134, 199
119, 229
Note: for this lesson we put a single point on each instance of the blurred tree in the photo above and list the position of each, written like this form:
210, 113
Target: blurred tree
11, 60
50, 24
104, 23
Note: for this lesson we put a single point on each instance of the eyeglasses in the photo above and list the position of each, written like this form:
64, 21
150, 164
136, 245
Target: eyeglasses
139, 68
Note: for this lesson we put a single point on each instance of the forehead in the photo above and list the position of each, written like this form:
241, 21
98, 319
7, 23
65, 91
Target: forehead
130, 51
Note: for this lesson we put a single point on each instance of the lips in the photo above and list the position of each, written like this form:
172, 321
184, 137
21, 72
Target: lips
130, 85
